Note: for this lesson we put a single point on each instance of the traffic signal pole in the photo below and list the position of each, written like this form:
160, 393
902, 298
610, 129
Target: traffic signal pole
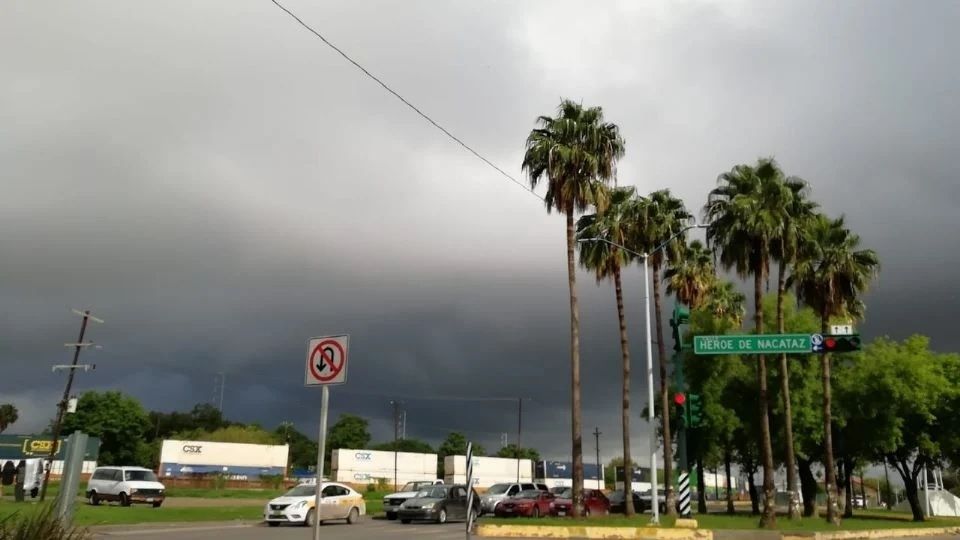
681, 316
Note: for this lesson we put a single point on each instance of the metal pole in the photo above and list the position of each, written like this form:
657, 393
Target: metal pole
396, 436
926, 492
886, 476
321, 450
62, 406
596, 436
651, 416
223, 384
519, 432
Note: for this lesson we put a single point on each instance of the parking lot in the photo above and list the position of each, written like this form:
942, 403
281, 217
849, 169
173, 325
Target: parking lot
366, 529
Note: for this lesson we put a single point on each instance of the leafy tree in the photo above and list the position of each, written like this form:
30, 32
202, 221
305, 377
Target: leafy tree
510, 451
831, 273
303, 449
662, 217
8, 416
250, 434
350, 431
745, 213
456, 445
601, 235
405, 445
203, 417
118, 420
576, 154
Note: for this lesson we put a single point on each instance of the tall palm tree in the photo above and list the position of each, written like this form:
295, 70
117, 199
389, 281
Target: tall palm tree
691, 276
745, 213
661, 216
726, 303
831, 274
614, 226
798, 212
576, 153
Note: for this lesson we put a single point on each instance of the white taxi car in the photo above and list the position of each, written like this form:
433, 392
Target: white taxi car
299, 505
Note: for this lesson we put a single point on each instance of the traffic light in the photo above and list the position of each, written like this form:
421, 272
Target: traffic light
680, 399
681, 315
841, 343
694, 410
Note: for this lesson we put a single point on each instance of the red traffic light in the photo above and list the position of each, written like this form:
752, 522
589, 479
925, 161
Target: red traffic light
830, 342
679, 398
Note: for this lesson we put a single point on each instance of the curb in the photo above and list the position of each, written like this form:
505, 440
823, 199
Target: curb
871, 534
611, 533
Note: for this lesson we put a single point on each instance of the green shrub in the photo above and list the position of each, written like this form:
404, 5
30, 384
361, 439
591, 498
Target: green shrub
39, 525
381, 484
219, 481
371, 488
274, 481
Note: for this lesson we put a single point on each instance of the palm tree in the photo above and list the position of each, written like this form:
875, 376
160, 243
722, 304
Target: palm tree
691, 276
726, 303
831, 273
8, 416
745, 213
576, 152
798, 212
661, 217
610, 229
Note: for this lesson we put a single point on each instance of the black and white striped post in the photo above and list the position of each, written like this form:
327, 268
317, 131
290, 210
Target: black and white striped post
470, 513
685, 494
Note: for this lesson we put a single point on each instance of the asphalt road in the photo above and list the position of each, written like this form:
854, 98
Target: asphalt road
367, 529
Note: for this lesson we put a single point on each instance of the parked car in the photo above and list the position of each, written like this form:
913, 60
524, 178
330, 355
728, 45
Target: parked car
528, 503
645, 505
595, 503
440, 503
126, 485
558, 489
498, 492
298, 505
392, 502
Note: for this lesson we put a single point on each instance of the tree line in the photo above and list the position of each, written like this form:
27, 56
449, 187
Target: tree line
758, 219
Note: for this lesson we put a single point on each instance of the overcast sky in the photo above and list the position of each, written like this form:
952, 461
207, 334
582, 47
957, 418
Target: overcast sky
219, 186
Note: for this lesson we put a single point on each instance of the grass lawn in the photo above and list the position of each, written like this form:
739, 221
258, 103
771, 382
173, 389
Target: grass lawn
86, 515
744, 521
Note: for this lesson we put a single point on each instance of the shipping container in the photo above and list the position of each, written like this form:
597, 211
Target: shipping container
487, 471
237, 461
379, 463
363, 477
566, 482
564, 470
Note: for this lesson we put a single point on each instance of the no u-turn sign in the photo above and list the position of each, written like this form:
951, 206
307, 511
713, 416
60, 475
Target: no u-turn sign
327, 361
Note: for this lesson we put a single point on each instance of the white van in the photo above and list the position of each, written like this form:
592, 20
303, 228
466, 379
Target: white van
126, 485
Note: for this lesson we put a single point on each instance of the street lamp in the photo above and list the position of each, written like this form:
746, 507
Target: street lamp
655, 504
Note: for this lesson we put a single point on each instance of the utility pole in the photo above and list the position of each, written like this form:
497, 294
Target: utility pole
403, 432
596, 436
396, 439
223, 384
62, 406
503, 439
519, 432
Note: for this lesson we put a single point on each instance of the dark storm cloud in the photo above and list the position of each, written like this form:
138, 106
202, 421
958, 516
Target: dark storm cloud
220, 186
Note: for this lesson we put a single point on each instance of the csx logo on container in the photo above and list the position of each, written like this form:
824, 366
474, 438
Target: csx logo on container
40, 446
363, 456
191, 448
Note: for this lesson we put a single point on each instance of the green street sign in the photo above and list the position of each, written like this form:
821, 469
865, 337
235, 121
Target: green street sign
753, 344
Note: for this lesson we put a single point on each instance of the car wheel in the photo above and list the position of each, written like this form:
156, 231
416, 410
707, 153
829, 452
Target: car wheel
353, 516
273, 523
124, 499
391, 516
536, 512
586, 511
157, 504
311, 518
405, 521
94, 498
442, 516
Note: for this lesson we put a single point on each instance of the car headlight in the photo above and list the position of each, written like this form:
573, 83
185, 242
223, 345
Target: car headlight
299, 505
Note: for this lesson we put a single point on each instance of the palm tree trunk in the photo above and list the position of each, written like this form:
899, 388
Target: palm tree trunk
701, 486
833, 515
808, 485
790, 461
768, 519
664, 396
577, 440
726, 468
625, 351
847, 487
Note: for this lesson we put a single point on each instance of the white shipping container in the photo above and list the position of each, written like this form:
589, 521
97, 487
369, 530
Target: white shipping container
377, 462
361, 477
566, 482
489, 467
223, 454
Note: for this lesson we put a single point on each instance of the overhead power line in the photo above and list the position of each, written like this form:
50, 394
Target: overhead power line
406, 101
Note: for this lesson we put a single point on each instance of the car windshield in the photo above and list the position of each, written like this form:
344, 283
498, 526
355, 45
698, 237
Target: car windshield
497, 489
527, 494
415, 486
566, 493
616, 496
435, 492
142, 476
302, 491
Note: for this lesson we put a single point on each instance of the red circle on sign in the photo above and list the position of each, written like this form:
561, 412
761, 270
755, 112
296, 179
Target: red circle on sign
334, 368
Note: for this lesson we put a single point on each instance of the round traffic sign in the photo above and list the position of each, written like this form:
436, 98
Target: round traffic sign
326, 360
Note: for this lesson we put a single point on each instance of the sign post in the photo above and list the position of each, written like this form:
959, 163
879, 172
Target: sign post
326, 366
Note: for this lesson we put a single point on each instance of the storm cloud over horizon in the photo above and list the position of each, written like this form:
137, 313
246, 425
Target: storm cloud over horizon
219, 186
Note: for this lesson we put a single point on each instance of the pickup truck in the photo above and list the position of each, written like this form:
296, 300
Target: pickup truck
392, 502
